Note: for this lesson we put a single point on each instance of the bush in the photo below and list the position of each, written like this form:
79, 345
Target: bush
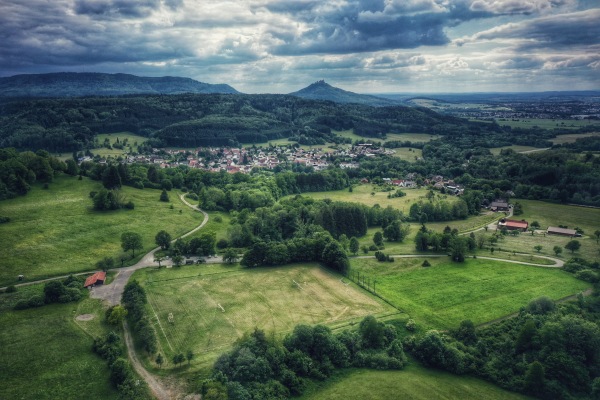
218, 218
373, 248
426, 264
192, 196
222, 244
587, 275
542, 305
11, 289
129, 205
411, 325
4, 220
35, 301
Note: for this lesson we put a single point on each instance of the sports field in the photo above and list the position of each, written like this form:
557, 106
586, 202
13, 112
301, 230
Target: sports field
444, 294
213, 305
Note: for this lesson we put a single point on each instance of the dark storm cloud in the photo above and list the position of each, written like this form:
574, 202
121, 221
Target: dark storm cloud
557, 31
370, 25
111, 8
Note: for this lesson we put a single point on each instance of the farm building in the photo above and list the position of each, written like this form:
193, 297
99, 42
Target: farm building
499, 205
512, 225
97, 279
552, 230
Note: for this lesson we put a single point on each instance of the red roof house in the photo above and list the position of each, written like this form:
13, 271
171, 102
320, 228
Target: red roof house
513, 225
97, 279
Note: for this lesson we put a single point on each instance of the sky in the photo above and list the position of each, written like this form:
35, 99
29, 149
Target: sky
280, 46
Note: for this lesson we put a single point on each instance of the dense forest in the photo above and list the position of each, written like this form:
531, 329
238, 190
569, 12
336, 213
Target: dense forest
207, 120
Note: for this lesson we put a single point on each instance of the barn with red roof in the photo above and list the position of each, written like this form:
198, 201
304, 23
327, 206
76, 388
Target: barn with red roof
97, 279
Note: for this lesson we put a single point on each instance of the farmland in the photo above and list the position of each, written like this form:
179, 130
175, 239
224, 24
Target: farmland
443, 295
412, 137
213, 305
55, 231
414, 382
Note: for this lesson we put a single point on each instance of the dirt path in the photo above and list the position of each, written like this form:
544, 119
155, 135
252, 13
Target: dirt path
557, 263
157, 389
112, 292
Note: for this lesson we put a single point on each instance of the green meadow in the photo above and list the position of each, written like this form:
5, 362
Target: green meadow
55, 231
546, 123
132, 141
46, 354
412, 383
446, 293
213, 305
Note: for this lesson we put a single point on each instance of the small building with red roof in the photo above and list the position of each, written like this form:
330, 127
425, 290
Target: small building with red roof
97, 279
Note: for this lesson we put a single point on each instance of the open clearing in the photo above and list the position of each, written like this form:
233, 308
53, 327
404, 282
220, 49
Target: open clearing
362, 194
56, 232
133, 141
443, 295
412, 137
213, 305
571, 138
546, 123
516, 148
46, 356
412, 383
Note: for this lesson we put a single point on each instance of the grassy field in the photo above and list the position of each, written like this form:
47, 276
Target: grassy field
213, 305
412, 383
46, 356
517, 148
560, 139
362, 194
55, 231
407, 154
546, 123
133, 141
443, 295
413, 137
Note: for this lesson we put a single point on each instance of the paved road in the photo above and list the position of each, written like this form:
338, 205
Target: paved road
112, 292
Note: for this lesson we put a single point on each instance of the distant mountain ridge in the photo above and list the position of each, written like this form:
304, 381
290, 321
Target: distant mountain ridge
76, 84
321, 90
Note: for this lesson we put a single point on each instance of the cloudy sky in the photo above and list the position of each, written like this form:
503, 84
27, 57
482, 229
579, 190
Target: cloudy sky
279, 46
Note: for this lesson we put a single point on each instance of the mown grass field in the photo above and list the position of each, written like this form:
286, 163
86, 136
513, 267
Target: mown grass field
560, 139
362, 194
265, 298
515, 147
412, 383
411, 155
55, 231
45, 355
413, 137
133, 141
443, 295
546, 123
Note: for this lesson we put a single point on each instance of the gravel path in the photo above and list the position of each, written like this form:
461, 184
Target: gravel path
557, 263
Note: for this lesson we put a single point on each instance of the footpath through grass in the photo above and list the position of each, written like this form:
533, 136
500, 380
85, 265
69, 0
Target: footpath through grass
446, 293
55, 231
412, 383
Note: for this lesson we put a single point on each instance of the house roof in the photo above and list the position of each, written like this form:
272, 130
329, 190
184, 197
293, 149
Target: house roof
517, 224
562, 231
98, 276
499, 203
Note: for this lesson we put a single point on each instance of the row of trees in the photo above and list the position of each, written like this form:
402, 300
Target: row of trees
134, 300
262, 367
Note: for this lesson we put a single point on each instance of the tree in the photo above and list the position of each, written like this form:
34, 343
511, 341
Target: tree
189, 356
177, 260
230, 256
535, 225
53, 291
105, 264
534, 379
158, 259
557, 250
597, 235
164, 196
573, 245
163, 239
458, 249
354, 245
396, 231
538, 248
178, 359
131, 241
111, 178
159, 360
378, 239
116, 314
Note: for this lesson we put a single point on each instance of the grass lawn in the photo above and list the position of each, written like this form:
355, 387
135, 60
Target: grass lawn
443, 295
411, 155
571, 138
55, 231
133, 141
546, 123
362, 194
517, 148
213, 305
413, 383
46, 356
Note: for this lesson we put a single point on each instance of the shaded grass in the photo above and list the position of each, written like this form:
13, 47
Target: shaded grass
46, 356
443, 295
413, 383
517, 148
264, 298
571, 138
55, 231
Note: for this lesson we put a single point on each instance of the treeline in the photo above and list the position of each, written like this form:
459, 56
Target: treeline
18, 171
134, 300
259, 367
206, 120
548, 351
56, 291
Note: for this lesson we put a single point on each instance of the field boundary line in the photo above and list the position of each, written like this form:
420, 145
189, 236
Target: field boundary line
159, 324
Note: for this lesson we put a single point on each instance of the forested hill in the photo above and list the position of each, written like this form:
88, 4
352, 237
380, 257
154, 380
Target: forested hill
71, 84
323, 91
207, 120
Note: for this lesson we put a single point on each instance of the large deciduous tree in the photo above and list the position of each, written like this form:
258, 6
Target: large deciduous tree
163, 239
131, 241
